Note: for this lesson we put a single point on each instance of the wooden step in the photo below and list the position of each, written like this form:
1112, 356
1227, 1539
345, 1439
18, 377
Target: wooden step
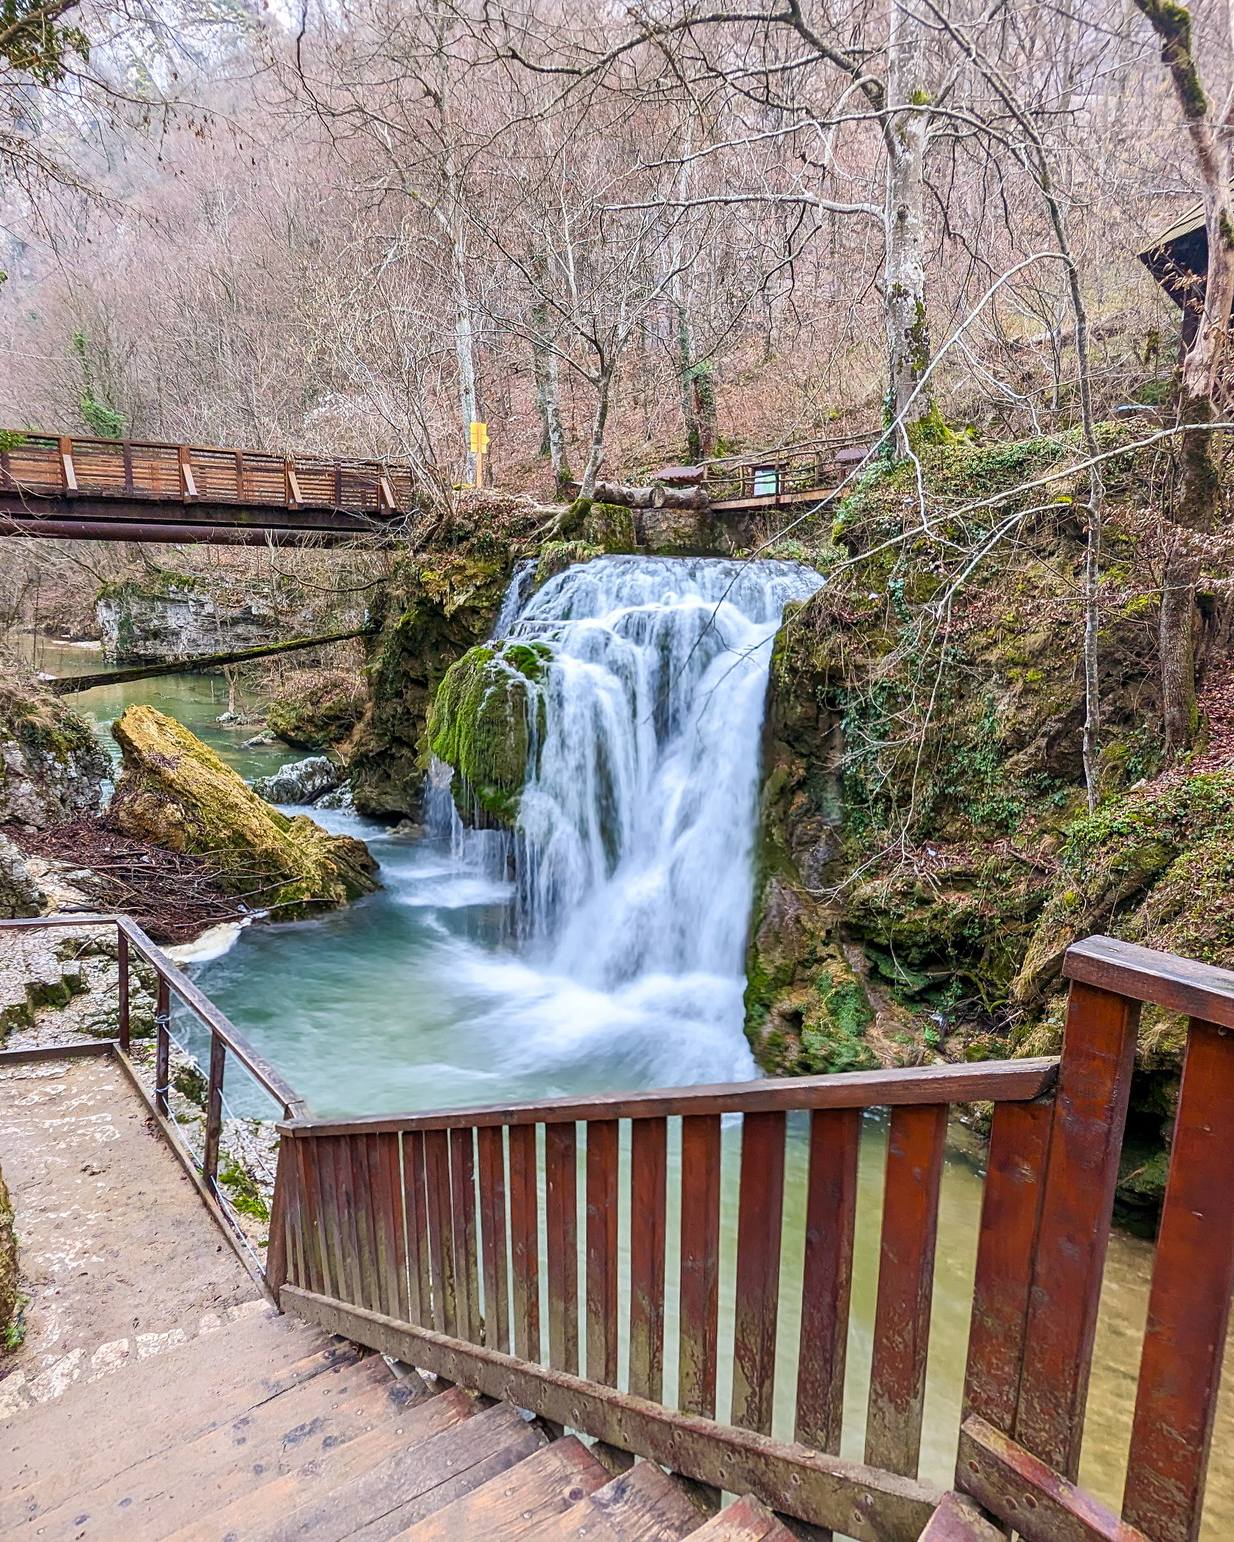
513, 1505
53, 1450
641, 1505
745, 1520
318, 1498
157, 1496
407, 1490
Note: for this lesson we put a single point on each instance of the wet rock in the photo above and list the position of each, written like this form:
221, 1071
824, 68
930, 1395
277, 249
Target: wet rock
304, 781
176, 793
321, 711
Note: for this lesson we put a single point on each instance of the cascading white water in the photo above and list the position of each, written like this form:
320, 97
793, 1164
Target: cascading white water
634, 860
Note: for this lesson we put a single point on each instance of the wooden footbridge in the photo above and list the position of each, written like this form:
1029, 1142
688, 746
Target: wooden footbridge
567, 1258
122, 490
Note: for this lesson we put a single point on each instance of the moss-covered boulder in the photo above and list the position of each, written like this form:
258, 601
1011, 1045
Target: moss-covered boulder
429, 614
318, 710
8, 1269
52, 766
485, 722
176, 793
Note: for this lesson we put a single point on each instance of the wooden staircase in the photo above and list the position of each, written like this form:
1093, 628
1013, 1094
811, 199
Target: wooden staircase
268, 1429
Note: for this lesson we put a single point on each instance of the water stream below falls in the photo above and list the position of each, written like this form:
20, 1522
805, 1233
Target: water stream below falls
613, 957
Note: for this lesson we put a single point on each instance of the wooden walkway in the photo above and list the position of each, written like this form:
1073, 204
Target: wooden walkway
122, 490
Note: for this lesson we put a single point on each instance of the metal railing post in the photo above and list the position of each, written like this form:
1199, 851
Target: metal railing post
214, 1112
162, 1047
122, 967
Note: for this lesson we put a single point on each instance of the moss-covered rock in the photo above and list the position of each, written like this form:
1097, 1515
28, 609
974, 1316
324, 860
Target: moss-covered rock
429, 615
176, 793
8, 1269
52, 766
319, 710
485, 722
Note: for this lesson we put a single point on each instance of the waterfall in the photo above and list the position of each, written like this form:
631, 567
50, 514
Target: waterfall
634, 857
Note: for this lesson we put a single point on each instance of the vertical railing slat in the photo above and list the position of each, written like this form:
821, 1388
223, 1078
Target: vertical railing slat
1189, 1302
602, 1251
1010, 1215
1086, 1136
364, 1223
648, 1193
440, 1231
415, 1218
329, 1214
831, 1208
760, 1212
463, 1198
561, 1213
386, 1189
915, 1144
525, 1241
492, 1156
700, 1264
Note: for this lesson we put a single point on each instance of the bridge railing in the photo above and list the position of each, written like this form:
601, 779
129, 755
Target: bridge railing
627, 1266
72, 467
783, 475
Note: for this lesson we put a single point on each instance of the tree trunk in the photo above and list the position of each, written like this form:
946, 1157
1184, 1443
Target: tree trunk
908, 330
1176, 646
698, 398
548, 400
595, 453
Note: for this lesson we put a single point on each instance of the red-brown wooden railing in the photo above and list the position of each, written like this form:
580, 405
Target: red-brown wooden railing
87, 470
457, 1241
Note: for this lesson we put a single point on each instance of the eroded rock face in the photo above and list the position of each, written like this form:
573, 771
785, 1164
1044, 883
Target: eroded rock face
174, 615
175, 792
304, 781
52, 767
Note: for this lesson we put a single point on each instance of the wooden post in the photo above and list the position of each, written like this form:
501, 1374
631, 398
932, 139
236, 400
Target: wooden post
162, 1045
214, 1112
239, 475
122, 968
68, 472
1086, 1137
127, 453
188, 484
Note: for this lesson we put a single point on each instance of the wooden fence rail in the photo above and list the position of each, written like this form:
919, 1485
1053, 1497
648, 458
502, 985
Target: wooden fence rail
569, 1255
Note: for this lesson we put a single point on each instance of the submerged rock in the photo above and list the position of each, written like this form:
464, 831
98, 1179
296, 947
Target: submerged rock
304, 781
482, 725
177, 793
52, 767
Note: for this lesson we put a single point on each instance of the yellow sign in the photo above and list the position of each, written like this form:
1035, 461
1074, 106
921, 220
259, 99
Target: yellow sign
479, 438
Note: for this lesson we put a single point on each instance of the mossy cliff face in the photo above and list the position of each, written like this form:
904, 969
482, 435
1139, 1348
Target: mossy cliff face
320, 712
52, 766
923, 758
484, 723
429, 614
176, 793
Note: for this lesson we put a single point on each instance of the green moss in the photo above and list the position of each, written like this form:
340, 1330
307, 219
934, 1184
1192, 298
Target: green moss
318, 710
242, 1191
9, 1316
485, 722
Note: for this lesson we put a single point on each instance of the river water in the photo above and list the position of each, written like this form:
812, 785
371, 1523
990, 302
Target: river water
603, 949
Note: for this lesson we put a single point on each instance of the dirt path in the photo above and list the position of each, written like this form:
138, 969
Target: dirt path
118, 1256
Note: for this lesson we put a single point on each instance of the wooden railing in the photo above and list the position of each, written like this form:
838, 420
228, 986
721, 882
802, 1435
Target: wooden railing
456, 1241
783, 476
81, 469
225, 1043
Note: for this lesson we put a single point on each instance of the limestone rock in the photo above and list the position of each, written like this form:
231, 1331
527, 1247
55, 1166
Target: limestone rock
52, 767
173, 615
175, 792
20, 893
304, 781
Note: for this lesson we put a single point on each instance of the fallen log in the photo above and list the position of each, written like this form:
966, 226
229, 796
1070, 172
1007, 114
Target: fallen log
657, 496
64, 685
